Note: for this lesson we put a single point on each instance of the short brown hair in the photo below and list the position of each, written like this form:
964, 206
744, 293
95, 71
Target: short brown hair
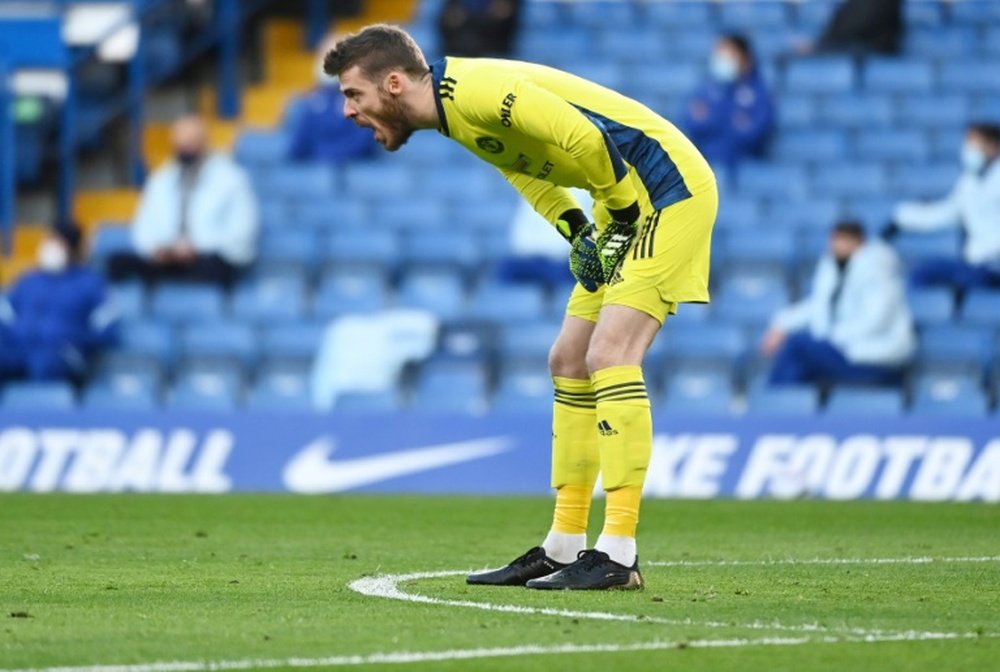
376, 49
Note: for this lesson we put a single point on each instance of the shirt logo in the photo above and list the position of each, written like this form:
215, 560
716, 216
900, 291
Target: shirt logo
491, 145
506, 110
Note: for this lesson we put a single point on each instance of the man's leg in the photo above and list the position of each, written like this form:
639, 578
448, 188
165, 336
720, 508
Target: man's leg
939, 272
210, 268
789, 367
575, 460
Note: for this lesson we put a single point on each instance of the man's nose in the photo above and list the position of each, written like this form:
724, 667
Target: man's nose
349, 111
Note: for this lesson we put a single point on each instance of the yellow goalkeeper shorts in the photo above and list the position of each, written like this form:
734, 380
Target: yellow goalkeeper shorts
667, 264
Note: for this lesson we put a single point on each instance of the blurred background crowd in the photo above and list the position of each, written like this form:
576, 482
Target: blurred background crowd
276, 260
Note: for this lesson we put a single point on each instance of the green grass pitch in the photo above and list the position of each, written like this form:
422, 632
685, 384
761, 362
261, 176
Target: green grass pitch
106, 580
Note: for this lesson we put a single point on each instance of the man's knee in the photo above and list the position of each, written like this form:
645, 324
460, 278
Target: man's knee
567, 361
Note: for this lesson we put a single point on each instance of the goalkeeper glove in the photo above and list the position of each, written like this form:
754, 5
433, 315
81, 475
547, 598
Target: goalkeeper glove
584, 262
616, 240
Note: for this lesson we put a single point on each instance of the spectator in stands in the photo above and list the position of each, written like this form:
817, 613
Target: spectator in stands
197, 220
479, 27
318, 129
57, 316
854, 327
973, 204
862, 27
732, 116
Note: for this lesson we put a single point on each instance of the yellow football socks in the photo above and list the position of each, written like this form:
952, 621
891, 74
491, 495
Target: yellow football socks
575, 460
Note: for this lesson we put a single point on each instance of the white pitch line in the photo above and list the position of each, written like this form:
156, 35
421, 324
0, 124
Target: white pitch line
388, 587
403, 657
823, 561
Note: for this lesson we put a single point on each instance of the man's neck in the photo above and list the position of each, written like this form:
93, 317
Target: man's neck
423, 105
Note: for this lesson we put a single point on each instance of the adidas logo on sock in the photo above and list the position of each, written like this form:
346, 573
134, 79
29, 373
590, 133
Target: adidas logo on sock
605, 428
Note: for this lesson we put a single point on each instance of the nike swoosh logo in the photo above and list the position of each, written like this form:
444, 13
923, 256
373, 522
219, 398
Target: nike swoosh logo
312, 471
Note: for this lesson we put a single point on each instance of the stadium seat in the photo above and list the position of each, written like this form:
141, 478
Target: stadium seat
187, 303
679, 15
148, 340
444, 247
261, 148
748, 301
37, 396
794, 400
768, 179
451, 386
814, 145
295, 181
524, 391
798, 111
529, 342
644, 46
812, 214
368, 402
865, 110
932, 306
982, 308
864, 402
268, 299
220, 341
128, 378
109, 239
362, 248
954, 344
815, 13
417, 214
698, 393
933, 110
971, 76
922, 14
215, 389
601, 13
892, 145
824, 75
289, 248
280, 392
974, 13
723, 344
291, 341
101, 398
330, 214
649, 83
128, 299
945, 44
570, 44
763, 15
440, 292
494, 302
739, 212
343, 292
948, 395
873, 212
748, 247
850, 180
885, 75
378, 180
924, 181
914, 247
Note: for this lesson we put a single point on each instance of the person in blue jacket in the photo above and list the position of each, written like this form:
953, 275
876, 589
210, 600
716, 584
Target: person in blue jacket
731, 116
56, 317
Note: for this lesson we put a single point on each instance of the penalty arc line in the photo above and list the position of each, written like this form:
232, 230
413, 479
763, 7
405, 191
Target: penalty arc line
403, 657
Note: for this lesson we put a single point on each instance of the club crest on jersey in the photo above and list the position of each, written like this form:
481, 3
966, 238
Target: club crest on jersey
491, 145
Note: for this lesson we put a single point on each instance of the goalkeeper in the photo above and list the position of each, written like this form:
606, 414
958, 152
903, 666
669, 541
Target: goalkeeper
643, 251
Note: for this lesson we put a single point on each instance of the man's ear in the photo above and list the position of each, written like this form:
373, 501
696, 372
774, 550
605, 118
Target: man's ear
394, 83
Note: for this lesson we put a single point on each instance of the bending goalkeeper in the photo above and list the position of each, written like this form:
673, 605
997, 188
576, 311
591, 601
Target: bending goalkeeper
643, 251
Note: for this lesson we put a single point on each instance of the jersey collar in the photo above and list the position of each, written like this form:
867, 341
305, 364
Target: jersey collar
441, 88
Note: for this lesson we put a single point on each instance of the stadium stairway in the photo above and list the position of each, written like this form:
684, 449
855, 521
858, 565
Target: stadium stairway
288, 71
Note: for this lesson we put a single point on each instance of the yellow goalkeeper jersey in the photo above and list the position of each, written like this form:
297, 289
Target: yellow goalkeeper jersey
546, 130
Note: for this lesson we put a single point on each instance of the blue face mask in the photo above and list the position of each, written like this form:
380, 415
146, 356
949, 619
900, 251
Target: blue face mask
973, 158
724, 68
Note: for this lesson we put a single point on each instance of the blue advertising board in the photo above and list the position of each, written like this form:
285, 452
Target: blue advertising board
747, 458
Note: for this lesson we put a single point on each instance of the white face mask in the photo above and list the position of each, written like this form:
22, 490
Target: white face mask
724, 68
972, 157
52, 257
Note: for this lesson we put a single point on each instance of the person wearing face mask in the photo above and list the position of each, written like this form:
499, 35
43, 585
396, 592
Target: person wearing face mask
732, 116
197, 219
854, 327
57, 317
318, 130
974, 205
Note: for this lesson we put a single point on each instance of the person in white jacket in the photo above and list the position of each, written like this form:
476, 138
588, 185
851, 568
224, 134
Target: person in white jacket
197, 220
854, 327
973, 204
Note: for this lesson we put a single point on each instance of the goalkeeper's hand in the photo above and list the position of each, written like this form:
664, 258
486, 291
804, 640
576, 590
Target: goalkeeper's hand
612, 246
584, 262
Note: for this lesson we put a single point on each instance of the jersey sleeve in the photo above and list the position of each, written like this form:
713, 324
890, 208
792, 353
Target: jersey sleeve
549, 200
544, 116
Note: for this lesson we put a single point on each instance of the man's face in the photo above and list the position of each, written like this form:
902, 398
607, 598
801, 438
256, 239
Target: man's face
843, 246
378, 107
974, 139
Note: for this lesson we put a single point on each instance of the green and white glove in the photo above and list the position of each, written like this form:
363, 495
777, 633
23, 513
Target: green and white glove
613, 244
584, 262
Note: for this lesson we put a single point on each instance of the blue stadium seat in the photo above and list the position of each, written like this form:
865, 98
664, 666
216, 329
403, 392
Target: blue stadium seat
524, 391
792, 400
815, 13
977, 13
945, 143
295, 181
770, 179
954, 344
148, 340
691, 46
220, 341
529, 342
368, 402
37, 396
873, 212
850, 180
129, 299
569, 44
451, 386
950, 395
922, 14
892, 145
982, 307
215, 388
601, 13
363, 248
924, 181
971, 76
110, 239
945, 44
128, 378
607, 73
261, 148
724, 344
816, 145
378, 180
461, 182
330, 214
289, 248
344, 292
751, 247
443, 247
270, 299
698, 393
440, 292
680, 15
280, 392
934, 110
749, 301
493, 302
541, 15
824, 75
644, 47
885, 75
187, 303
763, 15
914, 247
466, 341
933, 306
806, 214
858, 111
849, 401
416, 214
798, 111
291, 341
101, 398
739, 212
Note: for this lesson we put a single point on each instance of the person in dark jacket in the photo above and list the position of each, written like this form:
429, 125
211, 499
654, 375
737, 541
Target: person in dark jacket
479, 27
57, 316
731, 117
862, 27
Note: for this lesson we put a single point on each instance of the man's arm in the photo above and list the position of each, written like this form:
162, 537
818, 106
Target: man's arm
549, 200
915, 216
